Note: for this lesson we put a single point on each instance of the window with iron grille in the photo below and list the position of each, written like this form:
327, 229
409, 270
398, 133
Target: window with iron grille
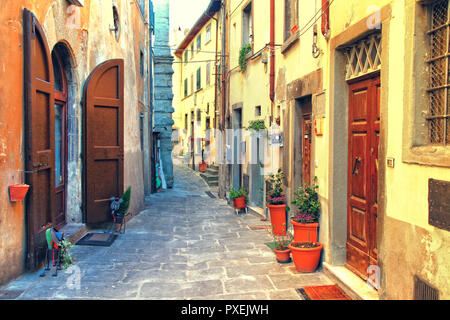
438, 118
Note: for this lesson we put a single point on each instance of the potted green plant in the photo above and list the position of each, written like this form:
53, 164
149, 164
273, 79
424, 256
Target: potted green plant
239, 198
306, 255
306, 219
281, 246
276, 203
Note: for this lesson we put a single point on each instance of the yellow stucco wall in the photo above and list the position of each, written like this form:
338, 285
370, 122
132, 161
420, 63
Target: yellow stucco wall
196, 99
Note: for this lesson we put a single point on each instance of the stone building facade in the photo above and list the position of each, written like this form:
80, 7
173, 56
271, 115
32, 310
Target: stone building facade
162, 112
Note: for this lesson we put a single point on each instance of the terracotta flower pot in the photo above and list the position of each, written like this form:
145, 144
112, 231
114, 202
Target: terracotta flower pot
239, 203
283, 256
278, 218
305, 232
203, 166
17, 192
305, 259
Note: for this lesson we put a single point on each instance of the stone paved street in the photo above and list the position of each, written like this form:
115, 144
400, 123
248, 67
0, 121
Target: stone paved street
185, 245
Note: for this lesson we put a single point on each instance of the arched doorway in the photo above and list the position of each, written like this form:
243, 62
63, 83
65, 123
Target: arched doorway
60, 94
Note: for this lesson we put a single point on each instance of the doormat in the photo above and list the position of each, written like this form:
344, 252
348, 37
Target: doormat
331, 292
97, 239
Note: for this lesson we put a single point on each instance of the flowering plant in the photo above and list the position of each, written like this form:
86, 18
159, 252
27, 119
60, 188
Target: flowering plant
282, 242
275, 193
307, 201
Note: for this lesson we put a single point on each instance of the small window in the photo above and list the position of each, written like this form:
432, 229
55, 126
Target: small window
199, 115
192, 51
185, 87
199, 42
258, 111
199, 78
186, 55
186, 121
247, 36
208, 33
141, 64
192, 83
207, 108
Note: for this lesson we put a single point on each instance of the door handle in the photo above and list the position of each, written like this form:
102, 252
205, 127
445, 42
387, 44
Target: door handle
355, 163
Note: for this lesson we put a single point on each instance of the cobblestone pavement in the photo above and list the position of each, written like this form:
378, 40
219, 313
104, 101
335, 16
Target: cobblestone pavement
184, 245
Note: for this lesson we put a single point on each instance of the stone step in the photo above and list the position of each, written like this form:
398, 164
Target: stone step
209, 177
212, 171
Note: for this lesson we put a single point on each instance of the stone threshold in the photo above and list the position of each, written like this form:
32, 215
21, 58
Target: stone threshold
355, 287
74, 231
259, 211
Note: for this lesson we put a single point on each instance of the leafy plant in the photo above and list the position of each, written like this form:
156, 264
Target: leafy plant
242, 53
281, 242
238, 193
66, 257
126, 201
256, 125
306, 199
275, 193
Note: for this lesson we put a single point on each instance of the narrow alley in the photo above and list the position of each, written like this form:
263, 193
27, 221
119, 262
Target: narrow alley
185, 245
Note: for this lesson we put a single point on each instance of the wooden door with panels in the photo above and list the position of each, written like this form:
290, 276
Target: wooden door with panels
103, 151
362, 208
39, 138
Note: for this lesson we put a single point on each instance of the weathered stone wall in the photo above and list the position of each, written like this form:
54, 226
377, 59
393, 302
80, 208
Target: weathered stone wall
162, 113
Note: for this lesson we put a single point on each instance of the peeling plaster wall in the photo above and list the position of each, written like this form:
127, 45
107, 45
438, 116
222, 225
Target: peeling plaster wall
86, 33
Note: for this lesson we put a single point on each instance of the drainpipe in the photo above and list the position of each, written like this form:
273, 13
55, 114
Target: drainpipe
272, 52
223, 67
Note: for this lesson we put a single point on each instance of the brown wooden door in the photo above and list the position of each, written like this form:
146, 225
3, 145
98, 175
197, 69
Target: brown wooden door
103, 139
39, 137
306, 149
364, 128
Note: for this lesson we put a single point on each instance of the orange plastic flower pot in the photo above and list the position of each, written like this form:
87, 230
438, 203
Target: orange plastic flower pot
305, 232
17, 192
203, 166
239, 203
282, 255
278, 218
306, 259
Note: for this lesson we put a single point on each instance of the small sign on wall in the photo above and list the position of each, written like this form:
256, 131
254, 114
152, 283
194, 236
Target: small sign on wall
318, 126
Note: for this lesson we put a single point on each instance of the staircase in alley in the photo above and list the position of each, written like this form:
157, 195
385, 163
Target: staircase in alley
211, 176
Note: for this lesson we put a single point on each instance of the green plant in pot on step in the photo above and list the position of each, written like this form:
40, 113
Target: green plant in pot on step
306, 249
281, 245
306, 219
239, 198
276, 202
